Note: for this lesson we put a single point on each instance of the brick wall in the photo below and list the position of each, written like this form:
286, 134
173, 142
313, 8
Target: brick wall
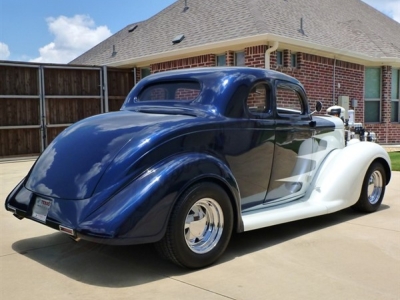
230, 58
324, 79
316, 73
186, 94
138, 74
191, 62
255, 56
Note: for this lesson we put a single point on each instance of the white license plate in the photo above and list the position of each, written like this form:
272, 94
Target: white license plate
41, 209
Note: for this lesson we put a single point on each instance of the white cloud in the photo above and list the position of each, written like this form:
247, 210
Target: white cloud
72, 37
388, 7
4, 51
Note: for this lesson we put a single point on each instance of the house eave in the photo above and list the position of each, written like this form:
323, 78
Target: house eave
240, 43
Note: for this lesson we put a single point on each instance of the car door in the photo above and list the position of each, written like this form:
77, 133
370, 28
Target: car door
253, 144
292, 167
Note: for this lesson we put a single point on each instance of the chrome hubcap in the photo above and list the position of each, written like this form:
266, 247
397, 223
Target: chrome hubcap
375, 183
204, 225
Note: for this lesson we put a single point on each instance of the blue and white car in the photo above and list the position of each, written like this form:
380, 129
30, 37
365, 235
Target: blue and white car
195, 155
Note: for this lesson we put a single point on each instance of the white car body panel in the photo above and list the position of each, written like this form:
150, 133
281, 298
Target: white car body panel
335, 185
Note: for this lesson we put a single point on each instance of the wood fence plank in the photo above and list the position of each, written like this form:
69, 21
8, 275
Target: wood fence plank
19, 142
59, 81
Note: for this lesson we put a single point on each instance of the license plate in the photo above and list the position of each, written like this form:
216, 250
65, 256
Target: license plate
41, 209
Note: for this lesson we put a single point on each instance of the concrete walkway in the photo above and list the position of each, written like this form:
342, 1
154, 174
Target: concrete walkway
345, 255
391, 148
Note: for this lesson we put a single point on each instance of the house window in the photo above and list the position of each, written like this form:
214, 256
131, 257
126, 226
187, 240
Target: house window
221, 60
293, 60
239, 59
372, 91
395, 95
144, 72
279, 58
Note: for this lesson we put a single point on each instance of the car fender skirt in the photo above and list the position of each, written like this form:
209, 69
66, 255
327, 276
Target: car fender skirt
140, 211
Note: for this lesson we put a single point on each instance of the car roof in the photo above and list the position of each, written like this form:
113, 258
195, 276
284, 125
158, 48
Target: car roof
218, 85
222, 72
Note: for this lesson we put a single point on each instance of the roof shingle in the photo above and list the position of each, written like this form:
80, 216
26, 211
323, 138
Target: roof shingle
340, 24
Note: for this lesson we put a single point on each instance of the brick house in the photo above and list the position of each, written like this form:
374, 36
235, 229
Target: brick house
335, 48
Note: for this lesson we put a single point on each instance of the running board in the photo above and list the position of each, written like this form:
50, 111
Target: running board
283, 213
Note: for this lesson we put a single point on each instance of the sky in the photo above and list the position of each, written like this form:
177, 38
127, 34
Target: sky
57, 31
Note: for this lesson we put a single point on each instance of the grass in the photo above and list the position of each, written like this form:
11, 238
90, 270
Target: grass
395, 158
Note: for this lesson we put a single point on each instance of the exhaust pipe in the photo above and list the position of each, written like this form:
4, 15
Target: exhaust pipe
70, 232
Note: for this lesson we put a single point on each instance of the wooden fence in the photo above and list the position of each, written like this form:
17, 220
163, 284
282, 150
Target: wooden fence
37, 102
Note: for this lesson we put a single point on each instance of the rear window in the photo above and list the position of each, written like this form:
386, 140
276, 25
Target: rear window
172, 91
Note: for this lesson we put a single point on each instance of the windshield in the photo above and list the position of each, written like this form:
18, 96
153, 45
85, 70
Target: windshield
175, 90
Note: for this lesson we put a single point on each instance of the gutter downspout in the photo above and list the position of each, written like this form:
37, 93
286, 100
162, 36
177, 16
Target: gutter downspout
334, 83
267, 54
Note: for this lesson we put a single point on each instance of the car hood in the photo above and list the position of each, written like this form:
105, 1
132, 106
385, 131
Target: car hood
72, 165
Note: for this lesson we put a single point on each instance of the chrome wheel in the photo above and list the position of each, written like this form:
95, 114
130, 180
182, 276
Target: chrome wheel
200, 226
204, 225
375, 183
373, 189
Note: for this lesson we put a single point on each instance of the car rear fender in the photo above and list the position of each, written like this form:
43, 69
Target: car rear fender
339, 180
139, 213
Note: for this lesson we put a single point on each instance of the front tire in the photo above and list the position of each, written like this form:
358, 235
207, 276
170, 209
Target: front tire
373, 189
199, 228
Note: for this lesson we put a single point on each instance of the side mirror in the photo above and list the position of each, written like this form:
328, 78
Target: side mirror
318, 107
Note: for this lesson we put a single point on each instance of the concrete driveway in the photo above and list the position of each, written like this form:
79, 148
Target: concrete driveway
345, 255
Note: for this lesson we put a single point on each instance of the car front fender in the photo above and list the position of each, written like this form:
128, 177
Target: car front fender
139, 212
338, 182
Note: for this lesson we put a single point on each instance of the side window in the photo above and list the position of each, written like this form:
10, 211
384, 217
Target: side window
258, 100
288, 100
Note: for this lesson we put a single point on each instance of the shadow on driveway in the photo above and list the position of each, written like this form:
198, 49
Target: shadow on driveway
126, 266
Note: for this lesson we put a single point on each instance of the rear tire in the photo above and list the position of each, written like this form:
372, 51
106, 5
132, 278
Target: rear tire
199, 228
373, 189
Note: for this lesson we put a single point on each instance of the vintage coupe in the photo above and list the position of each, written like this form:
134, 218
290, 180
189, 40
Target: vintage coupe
194, 155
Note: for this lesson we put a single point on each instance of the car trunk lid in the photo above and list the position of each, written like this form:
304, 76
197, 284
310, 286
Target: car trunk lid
72, 165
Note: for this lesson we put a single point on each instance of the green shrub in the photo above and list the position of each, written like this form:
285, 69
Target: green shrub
395, 158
